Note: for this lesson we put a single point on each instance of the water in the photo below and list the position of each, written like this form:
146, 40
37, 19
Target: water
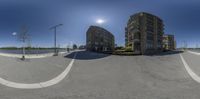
29, 51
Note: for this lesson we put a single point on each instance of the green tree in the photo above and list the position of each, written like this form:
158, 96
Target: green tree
75, 46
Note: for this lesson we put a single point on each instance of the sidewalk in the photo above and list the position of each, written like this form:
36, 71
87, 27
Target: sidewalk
30, 56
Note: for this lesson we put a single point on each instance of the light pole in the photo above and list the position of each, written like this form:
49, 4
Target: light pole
185, 45
55, 30
197, 46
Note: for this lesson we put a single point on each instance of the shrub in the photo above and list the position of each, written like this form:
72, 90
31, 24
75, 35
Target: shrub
128, 49
123, 53
119, 48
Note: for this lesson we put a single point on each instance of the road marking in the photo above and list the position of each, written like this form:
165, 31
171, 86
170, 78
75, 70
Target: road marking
196, 53
189, 70
40, 84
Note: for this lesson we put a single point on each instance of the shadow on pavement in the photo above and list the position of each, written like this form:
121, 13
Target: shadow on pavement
166, 53
86, 55
25, 60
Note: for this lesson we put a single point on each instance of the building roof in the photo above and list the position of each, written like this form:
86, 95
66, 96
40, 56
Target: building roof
99, 28
146, 14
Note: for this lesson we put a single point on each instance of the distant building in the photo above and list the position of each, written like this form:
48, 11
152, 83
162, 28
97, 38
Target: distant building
82, 47
144, 33
99, 39
169, 42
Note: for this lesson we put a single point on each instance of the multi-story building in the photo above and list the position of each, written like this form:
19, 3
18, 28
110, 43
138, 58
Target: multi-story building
169, 42
99, 39
144, 33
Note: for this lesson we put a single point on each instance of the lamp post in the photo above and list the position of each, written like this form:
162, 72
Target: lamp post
55, 38
185, 45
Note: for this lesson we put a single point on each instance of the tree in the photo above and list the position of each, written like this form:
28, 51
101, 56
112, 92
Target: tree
24, 38
75, 46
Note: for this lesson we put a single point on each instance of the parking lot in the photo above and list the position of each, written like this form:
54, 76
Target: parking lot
101, 76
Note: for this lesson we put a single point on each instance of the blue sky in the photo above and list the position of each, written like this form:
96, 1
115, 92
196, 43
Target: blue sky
181, 18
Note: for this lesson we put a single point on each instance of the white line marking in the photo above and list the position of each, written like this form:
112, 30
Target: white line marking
40, 84
196, 53
189, 70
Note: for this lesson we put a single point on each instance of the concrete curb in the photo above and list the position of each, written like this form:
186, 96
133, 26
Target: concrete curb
195, 53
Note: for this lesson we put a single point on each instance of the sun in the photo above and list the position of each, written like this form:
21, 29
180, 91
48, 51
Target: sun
100, 21
14, 33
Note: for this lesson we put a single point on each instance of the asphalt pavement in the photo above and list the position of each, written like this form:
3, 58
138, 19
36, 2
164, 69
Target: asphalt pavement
101, 76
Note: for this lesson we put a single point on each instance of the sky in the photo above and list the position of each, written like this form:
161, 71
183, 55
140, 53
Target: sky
181, 18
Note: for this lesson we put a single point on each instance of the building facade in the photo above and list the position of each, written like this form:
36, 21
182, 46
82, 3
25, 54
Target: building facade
144, 33
169, 42
99, 39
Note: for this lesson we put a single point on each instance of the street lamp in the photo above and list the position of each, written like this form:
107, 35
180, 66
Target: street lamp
55, 30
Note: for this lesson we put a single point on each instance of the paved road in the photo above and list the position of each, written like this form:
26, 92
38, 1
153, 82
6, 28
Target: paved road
193, 61
99, 76
32, 70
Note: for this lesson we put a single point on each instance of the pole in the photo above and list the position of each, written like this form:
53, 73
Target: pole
55, 49
55, 38
23, 49
23, 57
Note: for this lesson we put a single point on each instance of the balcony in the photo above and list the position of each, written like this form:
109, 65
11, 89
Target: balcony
136, 40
